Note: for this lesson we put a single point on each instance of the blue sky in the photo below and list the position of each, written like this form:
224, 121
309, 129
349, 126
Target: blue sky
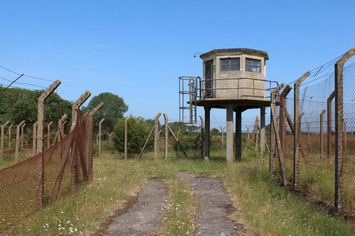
138, 49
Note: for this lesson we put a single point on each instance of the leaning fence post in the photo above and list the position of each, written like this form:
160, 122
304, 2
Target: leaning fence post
297, 129
100, 125
10, 127
2, 140
321, 132
18, 127
156, 136
339, 129
329, 122
166, 143
40, 139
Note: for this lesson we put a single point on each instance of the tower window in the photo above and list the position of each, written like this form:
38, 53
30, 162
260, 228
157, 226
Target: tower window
252, 65
230, 64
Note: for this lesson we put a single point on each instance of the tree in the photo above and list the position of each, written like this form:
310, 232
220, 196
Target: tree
137, 133
113, 109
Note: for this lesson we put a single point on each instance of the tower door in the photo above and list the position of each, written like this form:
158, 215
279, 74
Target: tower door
208, 79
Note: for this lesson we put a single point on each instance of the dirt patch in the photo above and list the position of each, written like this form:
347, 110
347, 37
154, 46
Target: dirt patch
141, 216
214, 206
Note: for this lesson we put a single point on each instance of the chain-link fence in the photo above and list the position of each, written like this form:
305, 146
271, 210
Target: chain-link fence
20, 184
316, 128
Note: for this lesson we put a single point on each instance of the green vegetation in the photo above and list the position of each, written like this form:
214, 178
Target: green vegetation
113, 109
261, 206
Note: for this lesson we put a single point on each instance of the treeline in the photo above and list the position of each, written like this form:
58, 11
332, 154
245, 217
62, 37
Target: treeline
18, 104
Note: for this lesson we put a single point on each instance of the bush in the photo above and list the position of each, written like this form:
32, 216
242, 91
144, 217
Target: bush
137, 133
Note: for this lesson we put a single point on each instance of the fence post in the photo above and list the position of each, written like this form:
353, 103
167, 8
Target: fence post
297, 129
156, 136
22, 128
40, 139
89, 140
339, 129
2, 140
76, 106
329, 122
126, 138
60, 132
10, 127
100, 125
34, 137
202, 136
166, 144
75, 162
272, 133
49, 134
262, 132
17, 147
282, 118
321, 132
308, 134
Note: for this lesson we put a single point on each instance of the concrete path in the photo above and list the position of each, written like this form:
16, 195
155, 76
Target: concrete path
214, 206
145, 216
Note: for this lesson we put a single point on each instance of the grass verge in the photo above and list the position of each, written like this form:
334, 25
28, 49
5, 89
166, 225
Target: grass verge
263, 207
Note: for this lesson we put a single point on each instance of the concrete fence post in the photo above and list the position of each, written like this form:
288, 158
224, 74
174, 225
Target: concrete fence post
22, 134
329, 123
308, 134
10, 128
262, 132
339, 127
34, 137
49, 134
273, 127
321, 116
100, 136
126, 138
222, 136
76, 106
202, 137
282, 118
40, 139
166, 140
17, 147
75, 162
156, 136
89, 140
297, 129
2, 139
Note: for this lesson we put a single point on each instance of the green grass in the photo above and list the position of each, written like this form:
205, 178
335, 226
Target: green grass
262, 206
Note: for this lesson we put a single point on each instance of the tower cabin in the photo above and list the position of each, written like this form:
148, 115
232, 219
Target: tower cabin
233, 79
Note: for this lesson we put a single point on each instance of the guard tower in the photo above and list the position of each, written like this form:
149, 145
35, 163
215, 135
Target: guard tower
233, 79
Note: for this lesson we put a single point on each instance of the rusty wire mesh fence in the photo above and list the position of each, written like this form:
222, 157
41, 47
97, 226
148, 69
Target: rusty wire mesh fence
65, 165
313, 170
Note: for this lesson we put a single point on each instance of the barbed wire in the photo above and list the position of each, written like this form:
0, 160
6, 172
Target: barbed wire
14, 81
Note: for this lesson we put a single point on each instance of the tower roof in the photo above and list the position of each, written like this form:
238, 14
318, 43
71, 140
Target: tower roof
236, 50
